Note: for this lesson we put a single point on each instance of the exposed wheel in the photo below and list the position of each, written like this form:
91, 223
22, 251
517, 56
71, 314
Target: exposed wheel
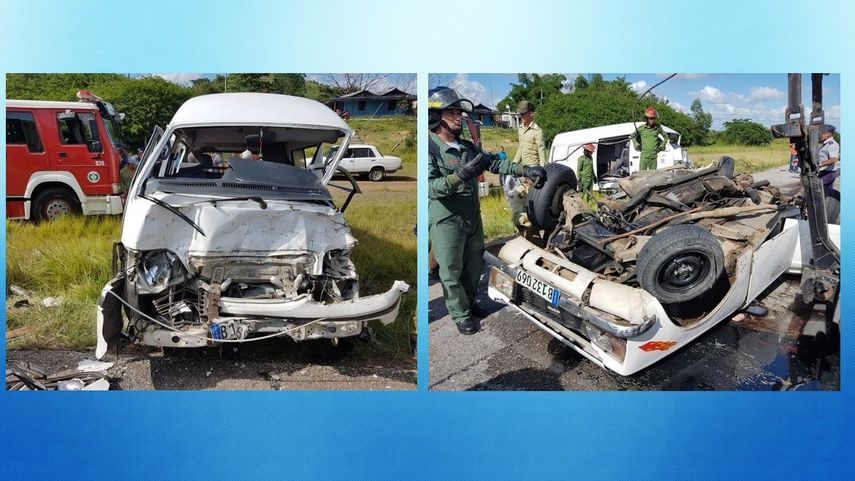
545, 204
680, 264
832, 206
377, 174
53, 203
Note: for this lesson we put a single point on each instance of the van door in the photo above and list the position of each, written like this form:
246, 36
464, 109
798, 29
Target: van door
80, 151
25, 154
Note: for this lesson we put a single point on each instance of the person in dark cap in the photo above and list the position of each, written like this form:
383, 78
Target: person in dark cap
829, 157
530, 152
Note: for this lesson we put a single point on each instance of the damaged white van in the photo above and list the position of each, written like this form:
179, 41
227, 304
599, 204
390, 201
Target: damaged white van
616, 156
230, 233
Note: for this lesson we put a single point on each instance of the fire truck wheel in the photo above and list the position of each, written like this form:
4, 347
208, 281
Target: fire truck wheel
53, 203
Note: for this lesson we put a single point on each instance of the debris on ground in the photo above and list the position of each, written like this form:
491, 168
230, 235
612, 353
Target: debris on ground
88, 365
18, 291
25, 376
52, 301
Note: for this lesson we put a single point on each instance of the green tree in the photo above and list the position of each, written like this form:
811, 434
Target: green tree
745, 132
703, 122
288, 84
535, 88
601, 102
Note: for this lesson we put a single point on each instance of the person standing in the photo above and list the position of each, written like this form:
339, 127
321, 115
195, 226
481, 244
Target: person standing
530, 152
585, 169
829, 158
650, 139
454, 210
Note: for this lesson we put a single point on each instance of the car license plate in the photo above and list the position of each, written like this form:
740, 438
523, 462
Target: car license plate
539, 287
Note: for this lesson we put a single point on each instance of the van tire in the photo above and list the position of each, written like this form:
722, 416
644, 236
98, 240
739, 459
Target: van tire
377, 174
680, 264
53, 203
545, 204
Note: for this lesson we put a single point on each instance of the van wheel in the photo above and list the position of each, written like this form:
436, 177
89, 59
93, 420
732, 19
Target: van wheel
680, 264
545, 204
53, 203
377, 174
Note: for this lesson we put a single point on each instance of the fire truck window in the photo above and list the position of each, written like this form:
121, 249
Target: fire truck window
21, 130
77, 130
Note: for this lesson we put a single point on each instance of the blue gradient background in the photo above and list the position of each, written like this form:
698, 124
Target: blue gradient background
422, 435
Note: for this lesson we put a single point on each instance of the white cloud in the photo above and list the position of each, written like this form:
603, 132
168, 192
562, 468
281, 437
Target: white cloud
710, 94
639, 86
472, 90
759, 94
180, 78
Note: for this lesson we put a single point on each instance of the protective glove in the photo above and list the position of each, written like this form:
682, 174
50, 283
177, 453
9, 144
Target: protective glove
536, 174
472, 169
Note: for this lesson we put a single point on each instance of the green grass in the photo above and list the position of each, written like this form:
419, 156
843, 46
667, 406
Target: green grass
69, 258
748, 159
392, 136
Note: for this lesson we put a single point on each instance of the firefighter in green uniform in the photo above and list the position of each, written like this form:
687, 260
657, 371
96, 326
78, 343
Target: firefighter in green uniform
585, 169
650, 139
454, 211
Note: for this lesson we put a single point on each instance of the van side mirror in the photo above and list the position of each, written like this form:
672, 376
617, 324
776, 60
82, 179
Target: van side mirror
94, 145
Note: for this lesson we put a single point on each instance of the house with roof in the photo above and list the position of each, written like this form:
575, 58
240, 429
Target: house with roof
365, 103
484, 114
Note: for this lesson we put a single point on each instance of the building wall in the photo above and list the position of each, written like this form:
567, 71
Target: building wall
376, 108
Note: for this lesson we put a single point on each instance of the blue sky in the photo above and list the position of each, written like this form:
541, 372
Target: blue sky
759, 97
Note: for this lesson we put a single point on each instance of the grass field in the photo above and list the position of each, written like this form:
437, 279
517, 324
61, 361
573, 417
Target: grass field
497, 217
71, 258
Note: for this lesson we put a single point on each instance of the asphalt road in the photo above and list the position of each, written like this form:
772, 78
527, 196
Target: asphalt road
787, 349
281, 365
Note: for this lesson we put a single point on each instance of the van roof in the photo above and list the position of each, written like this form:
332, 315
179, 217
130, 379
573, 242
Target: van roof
593, 134
256, 109
44, 104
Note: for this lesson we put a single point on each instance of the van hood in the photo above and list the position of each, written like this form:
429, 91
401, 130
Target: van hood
231, 228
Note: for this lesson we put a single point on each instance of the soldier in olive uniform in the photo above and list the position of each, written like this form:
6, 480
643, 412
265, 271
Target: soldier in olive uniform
585, 168
650, 139
530, 152
454, 212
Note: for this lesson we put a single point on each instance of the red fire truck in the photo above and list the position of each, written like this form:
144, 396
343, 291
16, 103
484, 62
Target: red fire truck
62, 158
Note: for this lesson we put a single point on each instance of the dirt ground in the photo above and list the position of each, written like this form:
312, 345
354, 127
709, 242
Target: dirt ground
276, 365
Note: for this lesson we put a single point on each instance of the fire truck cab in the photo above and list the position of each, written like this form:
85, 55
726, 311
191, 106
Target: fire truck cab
62, 158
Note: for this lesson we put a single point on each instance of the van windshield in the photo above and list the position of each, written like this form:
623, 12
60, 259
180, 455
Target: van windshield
270, 162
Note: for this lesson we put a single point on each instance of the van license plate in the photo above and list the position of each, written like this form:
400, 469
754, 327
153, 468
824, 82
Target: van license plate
539, 287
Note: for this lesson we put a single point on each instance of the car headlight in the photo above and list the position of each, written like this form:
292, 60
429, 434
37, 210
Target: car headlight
158, 270
502, 282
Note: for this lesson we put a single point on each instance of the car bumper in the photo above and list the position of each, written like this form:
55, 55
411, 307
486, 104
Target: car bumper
243, 319
620, 328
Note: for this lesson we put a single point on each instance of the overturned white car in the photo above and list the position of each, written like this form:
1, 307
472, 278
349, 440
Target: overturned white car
230, 233
673, 254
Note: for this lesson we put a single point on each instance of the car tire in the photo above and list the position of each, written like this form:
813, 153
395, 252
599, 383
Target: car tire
53, 203
680, 264
377, 174
832, 206
545, 204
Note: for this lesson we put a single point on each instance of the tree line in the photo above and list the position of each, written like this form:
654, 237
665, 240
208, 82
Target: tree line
591, 101
150, 100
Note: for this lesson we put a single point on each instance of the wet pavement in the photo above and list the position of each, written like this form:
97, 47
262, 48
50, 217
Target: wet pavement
791, 348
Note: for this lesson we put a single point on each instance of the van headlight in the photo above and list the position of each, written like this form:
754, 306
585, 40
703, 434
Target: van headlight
502, 282
158, 270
